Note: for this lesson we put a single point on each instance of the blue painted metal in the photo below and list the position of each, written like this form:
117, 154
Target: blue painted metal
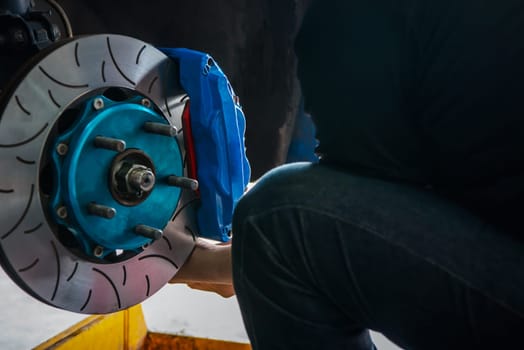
83, 175
218, 127
304, 142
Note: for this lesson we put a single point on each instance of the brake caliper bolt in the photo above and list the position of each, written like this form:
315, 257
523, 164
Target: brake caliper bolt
61, 212
98, 103
98, 251
146, 102
62, 149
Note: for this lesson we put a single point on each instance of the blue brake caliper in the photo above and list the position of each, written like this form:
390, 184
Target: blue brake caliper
217, 127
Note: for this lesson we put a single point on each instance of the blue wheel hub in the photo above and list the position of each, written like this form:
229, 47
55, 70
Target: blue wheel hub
112, 190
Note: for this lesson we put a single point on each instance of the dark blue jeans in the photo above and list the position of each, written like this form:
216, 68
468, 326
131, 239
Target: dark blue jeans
320, 256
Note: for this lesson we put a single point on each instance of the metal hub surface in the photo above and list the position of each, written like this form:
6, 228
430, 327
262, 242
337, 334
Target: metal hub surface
92, 220
106, 183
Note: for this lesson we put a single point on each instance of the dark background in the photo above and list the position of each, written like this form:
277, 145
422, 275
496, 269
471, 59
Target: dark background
252, 40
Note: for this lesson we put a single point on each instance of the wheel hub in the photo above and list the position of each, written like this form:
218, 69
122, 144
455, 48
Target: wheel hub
107, 177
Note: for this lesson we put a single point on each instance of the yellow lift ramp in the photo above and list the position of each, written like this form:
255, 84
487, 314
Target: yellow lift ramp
127, 330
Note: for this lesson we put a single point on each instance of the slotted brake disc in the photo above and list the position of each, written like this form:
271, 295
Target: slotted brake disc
97, 212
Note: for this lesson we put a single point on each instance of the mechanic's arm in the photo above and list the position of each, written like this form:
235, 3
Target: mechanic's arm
208, 268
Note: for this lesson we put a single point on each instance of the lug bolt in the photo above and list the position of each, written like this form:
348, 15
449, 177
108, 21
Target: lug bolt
110, 143
160, 129
183, 182
98, 251
98, 103
62, 149
149, 232
101, 211
61, 212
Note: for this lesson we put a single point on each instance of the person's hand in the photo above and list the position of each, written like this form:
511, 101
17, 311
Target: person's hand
224, 290
208, 268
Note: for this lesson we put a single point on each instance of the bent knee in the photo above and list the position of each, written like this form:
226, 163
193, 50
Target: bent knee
275, 188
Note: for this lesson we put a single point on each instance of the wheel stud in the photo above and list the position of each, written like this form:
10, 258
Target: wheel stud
148, 232
101, 211
183, 182
160, 129
110, 143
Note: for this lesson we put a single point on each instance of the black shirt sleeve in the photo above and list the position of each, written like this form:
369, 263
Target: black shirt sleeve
428, 92
355, 67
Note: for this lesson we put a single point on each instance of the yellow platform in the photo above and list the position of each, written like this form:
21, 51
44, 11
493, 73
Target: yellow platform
127, 330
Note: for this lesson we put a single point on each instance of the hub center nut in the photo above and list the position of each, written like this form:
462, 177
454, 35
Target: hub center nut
141, 178
133, 180
132, 177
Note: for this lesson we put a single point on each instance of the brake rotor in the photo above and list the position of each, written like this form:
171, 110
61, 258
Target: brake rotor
98, 212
